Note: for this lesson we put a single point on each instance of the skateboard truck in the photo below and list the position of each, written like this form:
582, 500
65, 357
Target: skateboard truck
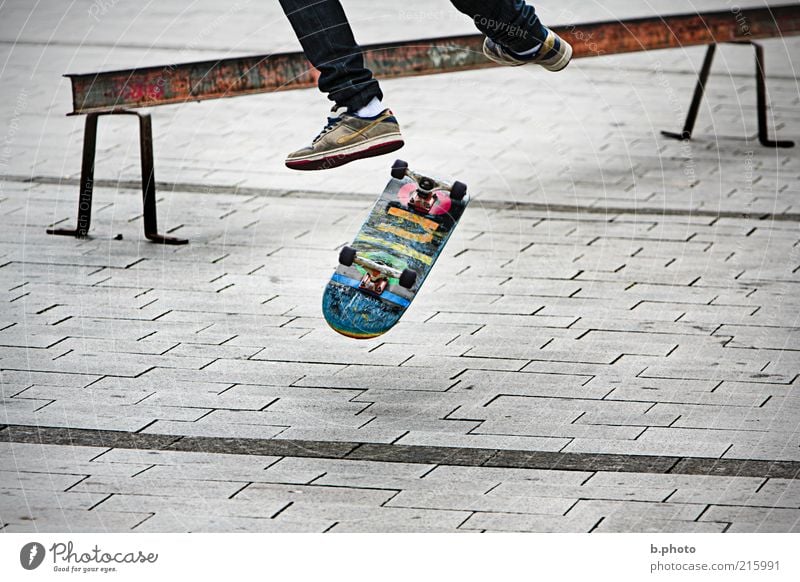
376, 279
374, 282
424, 197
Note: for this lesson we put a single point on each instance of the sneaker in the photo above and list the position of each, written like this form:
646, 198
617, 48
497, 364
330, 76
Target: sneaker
347, 137
554, 54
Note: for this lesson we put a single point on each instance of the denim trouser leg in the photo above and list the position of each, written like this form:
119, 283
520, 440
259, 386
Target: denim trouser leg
327, 40
511, 23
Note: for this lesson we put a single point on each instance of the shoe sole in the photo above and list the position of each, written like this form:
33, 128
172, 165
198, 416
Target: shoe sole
335, 160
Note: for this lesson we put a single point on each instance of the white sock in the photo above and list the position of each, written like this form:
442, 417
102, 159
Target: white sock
531, 52
371, 109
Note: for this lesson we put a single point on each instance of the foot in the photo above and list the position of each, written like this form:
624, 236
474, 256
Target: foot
347, 137
554, 53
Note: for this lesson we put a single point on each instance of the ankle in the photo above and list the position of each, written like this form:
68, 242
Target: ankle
371, 109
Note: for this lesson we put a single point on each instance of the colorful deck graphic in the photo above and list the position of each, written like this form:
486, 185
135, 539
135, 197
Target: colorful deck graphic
396, 237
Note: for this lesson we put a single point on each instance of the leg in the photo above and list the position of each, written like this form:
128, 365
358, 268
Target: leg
322, 28
761, 99
514, 34
366, 129
149, 214
87, 182
148, 180
697, 98
761, 103
511, 23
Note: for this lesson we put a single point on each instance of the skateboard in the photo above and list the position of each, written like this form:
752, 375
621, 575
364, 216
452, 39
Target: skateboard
382, 270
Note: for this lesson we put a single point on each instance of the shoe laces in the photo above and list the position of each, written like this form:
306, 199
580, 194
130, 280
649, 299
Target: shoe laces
330, 124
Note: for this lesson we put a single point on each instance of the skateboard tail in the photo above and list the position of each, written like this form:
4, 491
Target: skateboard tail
353, 335
357, 315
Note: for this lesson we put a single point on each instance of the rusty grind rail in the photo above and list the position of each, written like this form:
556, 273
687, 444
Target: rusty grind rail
119, 92
104, 92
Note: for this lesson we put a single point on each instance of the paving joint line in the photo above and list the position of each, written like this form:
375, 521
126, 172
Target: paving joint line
191, 188
415, 454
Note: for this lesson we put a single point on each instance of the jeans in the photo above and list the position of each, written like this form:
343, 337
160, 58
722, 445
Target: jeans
324, 33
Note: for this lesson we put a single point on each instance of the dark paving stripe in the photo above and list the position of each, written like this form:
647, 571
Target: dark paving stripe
86, 437
462, 456
425, 455
608, 211
266, 447
743, 468
585, 462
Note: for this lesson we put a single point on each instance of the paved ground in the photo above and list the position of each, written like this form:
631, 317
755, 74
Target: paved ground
609, 344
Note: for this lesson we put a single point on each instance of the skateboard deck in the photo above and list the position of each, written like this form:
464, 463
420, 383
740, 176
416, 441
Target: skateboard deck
381, 272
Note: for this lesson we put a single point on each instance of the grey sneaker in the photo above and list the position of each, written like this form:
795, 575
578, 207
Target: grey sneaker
554, 54
347, 137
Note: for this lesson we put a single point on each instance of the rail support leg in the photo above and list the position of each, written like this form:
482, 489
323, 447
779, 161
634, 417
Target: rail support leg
150, 215
761, 99
87, 182
761, 103
697, 98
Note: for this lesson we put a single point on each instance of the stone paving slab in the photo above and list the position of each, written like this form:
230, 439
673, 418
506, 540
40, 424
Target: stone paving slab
518, 522
627, 524
398, 520
754, 519
71, 520
193, 508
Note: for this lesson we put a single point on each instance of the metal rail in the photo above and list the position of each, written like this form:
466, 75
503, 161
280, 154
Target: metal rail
120, 92
178, 83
